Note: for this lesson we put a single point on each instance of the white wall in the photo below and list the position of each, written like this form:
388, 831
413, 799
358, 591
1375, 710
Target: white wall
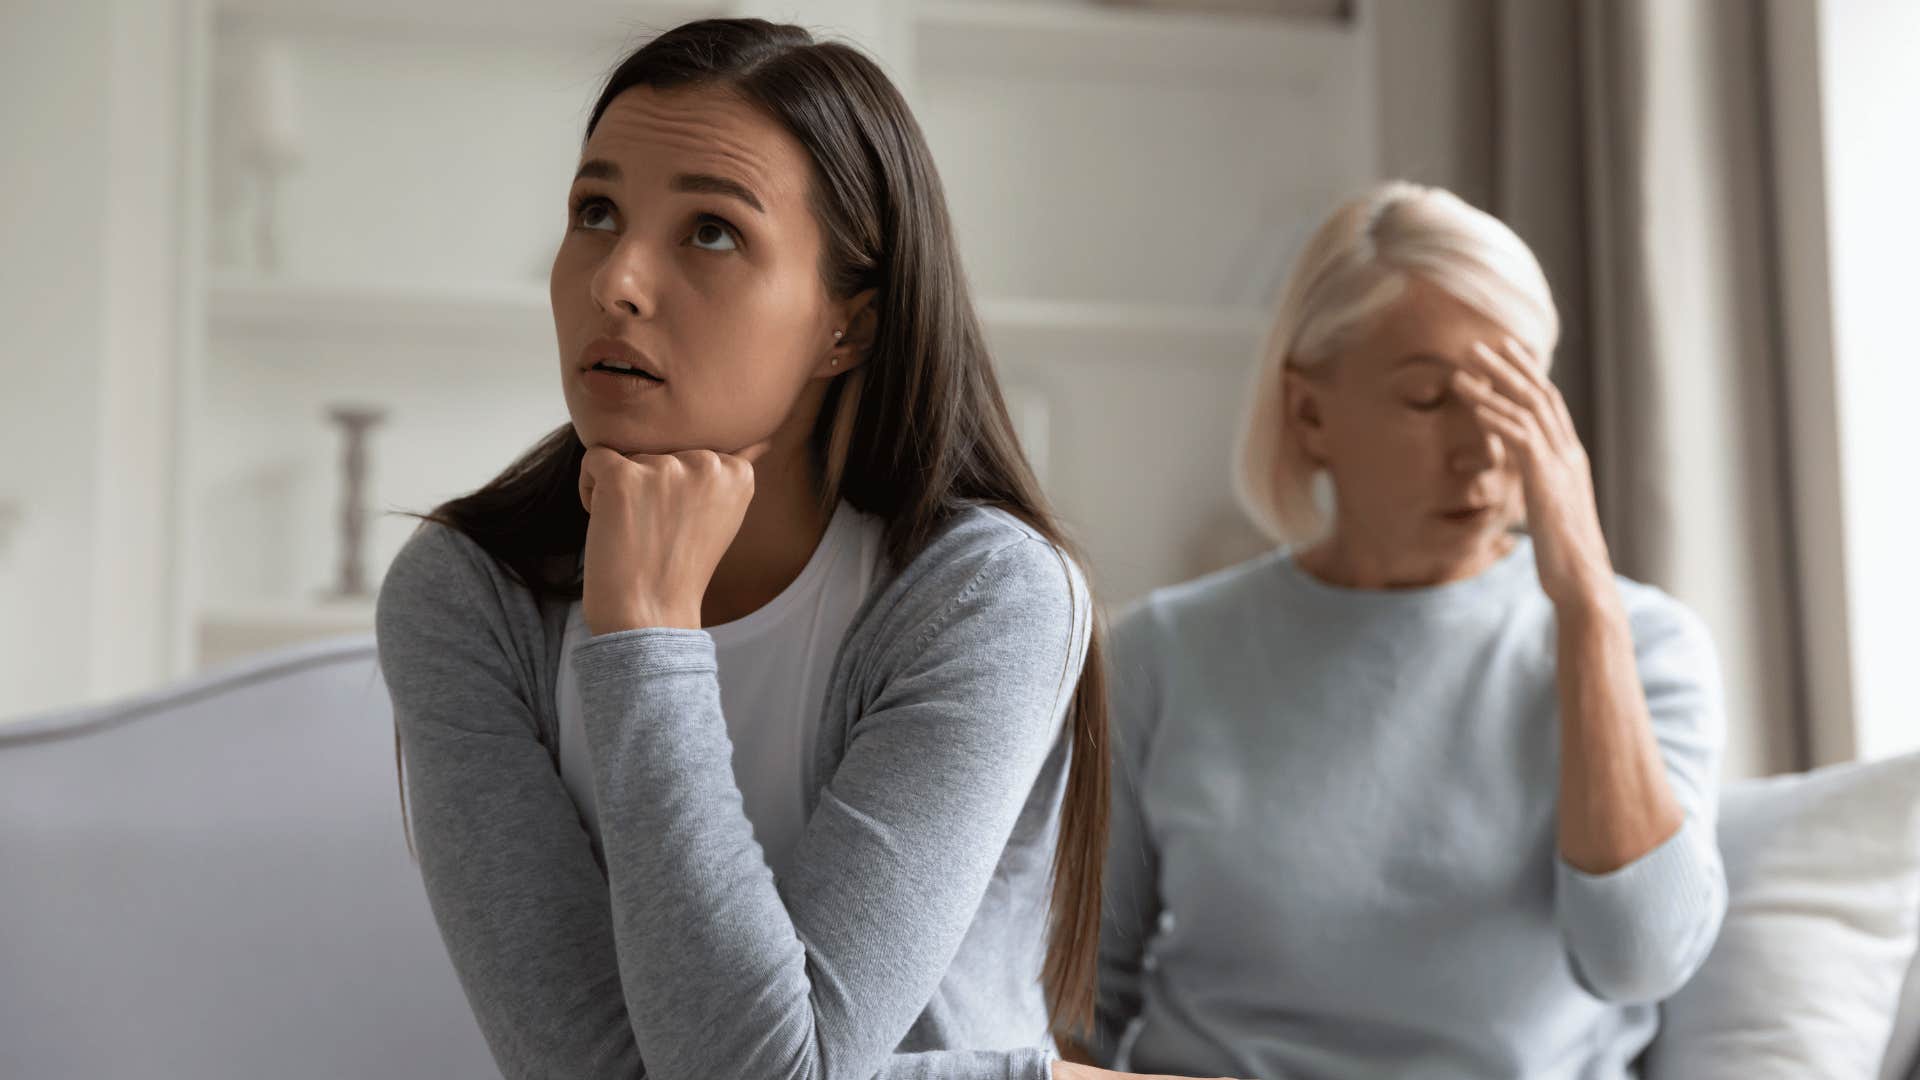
1435, 70
1870, 115
54, 165
86, 345
138, 308
1126, 199
1084, 192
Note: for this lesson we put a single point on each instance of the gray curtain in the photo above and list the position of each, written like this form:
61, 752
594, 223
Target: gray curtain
1631, 143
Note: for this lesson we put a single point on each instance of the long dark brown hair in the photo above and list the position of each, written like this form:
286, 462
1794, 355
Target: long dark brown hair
912, 436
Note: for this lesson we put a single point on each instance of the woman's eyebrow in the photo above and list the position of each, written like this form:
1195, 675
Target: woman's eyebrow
708, 184
695, 183
598, 169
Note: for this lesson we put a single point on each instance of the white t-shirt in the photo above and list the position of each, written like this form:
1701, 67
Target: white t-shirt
774, 666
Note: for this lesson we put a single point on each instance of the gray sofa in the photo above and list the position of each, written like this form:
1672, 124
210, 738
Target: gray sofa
211, 882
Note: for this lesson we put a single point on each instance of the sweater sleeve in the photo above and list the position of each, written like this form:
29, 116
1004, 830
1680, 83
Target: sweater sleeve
1132, 902
1638, 933
520, 901
726, 977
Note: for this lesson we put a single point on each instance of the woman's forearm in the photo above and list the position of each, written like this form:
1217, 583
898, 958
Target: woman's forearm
727, 974
1638, 889
1615, 802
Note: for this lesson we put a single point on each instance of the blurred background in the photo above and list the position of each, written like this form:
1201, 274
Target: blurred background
275, 268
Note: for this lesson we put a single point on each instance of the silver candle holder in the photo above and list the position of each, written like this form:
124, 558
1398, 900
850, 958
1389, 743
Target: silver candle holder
355, 422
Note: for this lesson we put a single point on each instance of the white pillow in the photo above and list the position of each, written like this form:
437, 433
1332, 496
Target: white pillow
1903, 1053
1823, 884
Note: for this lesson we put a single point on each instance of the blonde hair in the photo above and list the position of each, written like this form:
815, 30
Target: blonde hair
1354, 266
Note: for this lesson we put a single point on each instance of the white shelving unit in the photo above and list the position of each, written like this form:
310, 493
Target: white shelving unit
1131, 43
472, 20
228, 633
1127, 184
1223, 332
245, 308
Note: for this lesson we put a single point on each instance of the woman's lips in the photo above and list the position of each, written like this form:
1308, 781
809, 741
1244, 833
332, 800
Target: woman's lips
618, 351
618, 389
1466, 515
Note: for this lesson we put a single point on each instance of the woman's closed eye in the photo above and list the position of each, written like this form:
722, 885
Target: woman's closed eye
1427, 399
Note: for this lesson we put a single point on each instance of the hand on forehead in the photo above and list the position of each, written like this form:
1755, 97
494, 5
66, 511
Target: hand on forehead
1427, 326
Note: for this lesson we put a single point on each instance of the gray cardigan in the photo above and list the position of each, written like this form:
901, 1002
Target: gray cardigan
908, 939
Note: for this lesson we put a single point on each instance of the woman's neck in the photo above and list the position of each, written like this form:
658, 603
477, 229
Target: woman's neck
782, 527
1341, 559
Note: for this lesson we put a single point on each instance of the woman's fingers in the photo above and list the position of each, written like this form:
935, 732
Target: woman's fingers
1515, 378
1506, 376
1537, 373
1508, 418
595, 465
663, 522
703, 468
1521, 437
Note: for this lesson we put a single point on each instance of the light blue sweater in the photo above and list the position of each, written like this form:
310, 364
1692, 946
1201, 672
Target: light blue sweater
1333, 849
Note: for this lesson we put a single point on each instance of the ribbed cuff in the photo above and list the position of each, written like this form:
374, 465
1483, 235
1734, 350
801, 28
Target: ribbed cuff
652, 650
1031, 1063
1669, 874
1638, 931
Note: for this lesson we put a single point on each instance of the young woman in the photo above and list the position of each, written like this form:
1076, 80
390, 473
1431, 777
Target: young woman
752, 721
1415, 795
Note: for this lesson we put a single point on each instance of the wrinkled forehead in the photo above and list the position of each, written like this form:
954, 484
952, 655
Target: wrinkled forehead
655, 135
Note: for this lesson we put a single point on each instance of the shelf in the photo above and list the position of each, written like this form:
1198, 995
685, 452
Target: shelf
1020, 37
1299, 45
1173, 333
514, 317
573, 21
226, 633
319, 617
505, 316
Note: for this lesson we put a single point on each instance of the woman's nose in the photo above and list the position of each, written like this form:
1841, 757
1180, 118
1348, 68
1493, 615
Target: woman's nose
624, 282
1477, 449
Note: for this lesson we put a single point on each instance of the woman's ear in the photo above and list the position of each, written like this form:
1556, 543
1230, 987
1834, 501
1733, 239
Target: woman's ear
852, 335
1303, 407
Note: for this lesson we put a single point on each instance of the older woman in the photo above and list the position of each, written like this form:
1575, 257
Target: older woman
1417, 794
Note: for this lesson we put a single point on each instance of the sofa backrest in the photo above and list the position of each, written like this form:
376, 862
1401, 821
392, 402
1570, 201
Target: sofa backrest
211, 881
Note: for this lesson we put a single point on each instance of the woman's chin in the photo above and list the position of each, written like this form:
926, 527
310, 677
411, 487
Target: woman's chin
1465, 540
625, 436
629, 436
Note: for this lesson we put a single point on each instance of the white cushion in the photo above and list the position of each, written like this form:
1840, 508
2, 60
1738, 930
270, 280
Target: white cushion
1823, 878
1903, 1053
